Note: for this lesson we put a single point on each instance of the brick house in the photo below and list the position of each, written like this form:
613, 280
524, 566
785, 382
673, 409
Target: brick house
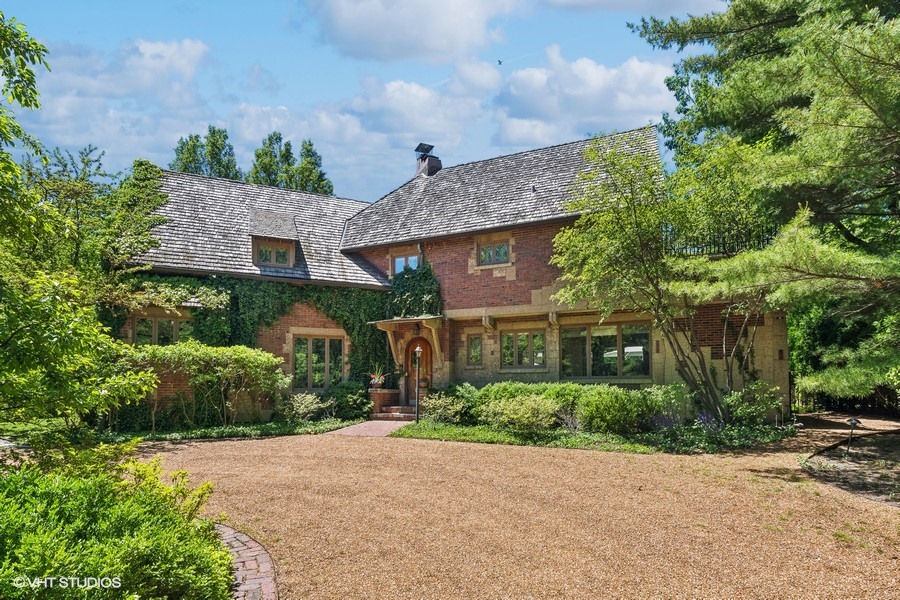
486, 228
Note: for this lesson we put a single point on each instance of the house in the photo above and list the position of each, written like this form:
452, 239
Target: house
485, 227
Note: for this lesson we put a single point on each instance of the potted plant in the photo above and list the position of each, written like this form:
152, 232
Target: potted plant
376, 377
423, 382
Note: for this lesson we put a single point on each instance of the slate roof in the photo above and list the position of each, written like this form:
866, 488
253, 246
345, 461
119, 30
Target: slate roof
526, 187
211, 224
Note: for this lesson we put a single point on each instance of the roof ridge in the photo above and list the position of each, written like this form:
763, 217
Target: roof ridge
485, 160
444, 202
550, 147
262, 185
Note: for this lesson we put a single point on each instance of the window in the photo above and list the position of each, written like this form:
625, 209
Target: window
522, 349
493, 254
474, 350
318, 362
273, 253
161, 331
405, 262
605, 351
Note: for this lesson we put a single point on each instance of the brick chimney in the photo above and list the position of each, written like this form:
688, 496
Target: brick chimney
426, 162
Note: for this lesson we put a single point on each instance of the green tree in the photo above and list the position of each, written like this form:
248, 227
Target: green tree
190, 155
274, 164
645, 221
212, 155
272, 161
806, 93
56, 359
818, 78
19, 52
307, 175
799, 268
71, 186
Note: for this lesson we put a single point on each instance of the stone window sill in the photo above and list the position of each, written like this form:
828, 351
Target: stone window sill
497, 266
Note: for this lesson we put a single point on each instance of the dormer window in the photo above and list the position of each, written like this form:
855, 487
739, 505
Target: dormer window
273, 253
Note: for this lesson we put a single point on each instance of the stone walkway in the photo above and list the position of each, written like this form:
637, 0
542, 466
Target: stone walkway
254, 571
370, 428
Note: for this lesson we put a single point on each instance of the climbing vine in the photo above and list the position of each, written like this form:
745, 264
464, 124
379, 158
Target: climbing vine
416, 292
230, 311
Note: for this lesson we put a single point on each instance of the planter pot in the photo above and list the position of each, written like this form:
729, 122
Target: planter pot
376, 386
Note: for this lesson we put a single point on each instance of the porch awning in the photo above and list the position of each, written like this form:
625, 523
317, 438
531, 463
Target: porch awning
432, 322
399, 320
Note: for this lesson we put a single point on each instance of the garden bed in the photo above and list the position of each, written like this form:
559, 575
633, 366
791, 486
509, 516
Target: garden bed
249, 430
871, 468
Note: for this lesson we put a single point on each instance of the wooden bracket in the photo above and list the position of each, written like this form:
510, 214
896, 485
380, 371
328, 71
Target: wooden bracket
435, 326
489, 323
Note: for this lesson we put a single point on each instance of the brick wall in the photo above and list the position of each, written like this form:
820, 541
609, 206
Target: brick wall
465, 287
277, 338
709, 323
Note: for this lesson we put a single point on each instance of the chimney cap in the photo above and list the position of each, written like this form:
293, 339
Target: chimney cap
424, 148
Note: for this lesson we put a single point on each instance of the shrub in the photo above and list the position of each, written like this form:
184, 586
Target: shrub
103, 523
753, 405
218, 376
303, 407
610, 409
506, 390
349, 401
443, 407
531, 414
674, 405
466, 397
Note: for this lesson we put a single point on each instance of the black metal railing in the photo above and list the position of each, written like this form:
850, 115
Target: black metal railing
727, 243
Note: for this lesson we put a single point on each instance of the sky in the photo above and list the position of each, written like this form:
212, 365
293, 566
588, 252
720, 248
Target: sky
366, 80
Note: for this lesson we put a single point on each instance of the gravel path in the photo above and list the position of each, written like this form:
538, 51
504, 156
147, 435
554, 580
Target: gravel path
382, 517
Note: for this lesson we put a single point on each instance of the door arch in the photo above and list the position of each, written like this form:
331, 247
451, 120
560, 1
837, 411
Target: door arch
424, 367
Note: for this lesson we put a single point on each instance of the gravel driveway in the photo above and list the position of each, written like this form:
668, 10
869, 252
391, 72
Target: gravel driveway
383, 517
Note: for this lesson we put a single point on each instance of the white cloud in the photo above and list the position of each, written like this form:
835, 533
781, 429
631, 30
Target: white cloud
476, 77
259, 78
366, 140
565, 100
409, 29
648, 7
129, 105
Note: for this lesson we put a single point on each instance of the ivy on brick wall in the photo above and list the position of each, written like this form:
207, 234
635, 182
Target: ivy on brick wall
416, 292
232, 311
228, 310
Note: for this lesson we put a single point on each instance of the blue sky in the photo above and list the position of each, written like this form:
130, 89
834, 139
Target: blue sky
366, 80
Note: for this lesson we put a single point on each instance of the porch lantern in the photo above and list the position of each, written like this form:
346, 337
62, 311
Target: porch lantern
418, 352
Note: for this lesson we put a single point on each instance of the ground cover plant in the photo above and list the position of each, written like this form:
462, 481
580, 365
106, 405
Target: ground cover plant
245, 430
87, 513
599, 416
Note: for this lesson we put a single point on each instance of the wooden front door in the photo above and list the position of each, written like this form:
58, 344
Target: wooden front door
424, 368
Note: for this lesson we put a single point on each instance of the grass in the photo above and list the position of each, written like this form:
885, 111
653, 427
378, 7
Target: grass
482, 434
249, 430
18, 429
681, 440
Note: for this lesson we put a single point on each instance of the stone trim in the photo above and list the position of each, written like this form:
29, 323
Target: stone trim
254, 570
506, 270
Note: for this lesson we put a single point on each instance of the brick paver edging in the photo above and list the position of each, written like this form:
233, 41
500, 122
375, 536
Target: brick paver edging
254, 571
